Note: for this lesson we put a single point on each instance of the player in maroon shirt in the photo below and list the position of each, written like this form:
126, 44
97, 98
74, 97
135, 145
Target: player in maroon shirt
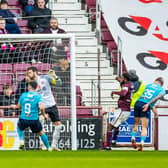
123, 110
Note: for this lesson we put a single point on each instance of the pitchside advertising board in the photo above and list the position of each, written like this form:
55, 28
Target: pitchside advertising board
125, 130
8, 134
88, 134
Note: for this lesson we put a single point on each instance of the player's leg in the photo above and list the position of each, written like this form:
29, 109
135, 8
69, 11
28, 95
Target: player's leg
36, 127
144, 122
44, 139
115, 135
107, 144
20, 131
134, 131
121, 119
54, 116
42, 120
56, 135
137, 114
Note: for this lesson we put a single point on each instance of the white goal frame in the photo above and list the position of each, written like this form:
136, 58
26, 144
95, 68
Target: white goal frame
70, 36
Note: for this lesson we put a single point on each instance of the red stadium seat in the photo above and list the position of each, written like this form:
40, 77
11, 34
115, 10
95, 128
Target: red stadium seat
6, 68
20, 68
16, 11
22, 23
13, 3
106, 36
5, 79
1, 89
78, 96
90, 3
111, 45
25, 30
103, 24
42, 67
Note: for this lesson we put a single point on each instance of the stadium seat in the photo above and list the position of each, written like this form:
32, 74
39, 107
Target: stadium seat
42, 67
106, 36
111, 45
15, 7
20, 68
84, 112
19, 76
25, 30
103, 24
6, 68
16, 11
22, 23
5, 79
78, 96
90, 3
13, 3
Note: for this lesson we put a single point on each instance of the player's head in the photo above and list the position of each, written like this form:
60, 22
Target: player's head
126, 76
32, 85
160, 81
53, 23
27, 79
32, 72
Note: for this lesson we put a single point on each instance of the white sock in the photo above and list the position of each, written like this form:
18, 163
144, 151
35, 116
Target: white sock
56, 135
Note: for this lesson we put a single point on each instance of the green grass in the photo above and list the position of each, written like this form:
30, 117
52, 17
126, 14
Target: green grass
84, 159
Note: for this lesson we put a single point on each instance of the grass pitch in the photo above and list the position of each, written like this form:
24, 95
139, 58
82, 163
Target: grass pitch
84, 159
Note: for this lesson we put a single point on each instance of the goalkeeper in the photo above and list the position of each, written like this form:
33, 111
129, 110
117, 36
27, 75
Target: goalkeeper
44, 89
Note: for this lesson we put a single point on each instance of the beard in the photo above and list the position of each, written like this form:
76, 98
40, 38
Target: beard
54, 28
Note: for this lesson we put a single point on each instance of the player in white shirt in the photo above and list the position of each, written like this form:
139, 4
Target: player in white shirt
44, 89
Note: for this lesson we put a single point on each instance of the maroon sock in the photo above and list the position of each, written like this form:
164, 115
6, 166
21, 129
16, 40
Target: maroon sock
109, 134
116, 131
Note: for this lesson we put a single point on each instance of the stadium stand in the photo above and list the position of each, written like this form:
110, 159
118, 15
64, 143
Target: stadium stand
6, 68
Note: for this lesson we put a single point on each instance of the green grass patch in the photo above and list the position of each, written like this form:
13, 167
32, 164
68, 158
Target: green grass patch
84, 159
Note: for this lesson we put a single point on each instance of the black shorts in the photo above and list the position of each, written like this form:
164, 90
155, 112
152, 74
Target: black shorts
138, 110
53, 113
34, 125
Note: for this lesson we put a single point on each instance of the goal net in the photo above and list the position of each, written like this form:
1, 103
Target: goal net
43, 51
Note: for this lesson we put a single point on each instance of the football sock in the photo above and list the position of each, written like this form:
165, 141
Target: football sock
56, 135
133, 135
44, 138
143, 138
116, 131
109, 136
21, 134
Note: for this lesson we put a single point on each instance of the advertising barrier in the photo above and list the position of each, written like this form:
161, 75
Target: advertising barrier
8, 134
88, 134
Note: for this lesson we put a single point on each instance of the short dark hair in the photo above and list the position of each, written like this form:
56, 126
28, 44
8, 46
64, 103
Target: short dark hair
33, 84
126, 76
3, 2
34, 69
160, 80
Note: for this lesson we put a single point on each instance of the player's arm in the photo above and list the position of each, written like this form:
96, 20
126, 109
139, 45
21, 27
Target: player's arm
154, 110
145, 107
42, 109
123, 92
15, 106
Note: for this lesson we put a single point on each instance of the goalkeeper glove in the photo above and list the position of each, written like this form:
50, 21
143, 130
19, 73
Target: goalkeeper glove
53, 75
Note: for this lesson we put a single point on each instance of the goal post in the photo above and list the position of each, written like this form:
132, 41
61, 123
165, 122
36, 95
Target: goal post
40, 47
